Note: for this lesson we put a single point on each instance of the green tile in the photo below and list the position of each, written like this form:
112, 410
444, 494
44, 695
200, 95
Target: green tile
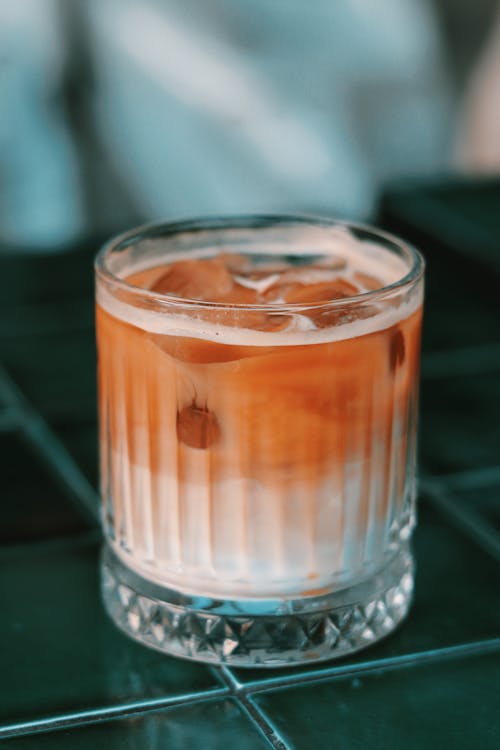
475, 201
457, 227
55, 316
460, 212
449, 704
456, 598
63, 653
47, 331
449, 323
460, 423
56, 371
483, 500
37, 278
34, 506
80, 439
210, 726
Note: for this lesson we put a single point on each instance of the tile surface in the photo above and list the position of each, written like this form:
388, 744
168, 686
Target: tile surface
62, 660
56, 371
460, 423
34, 505
451, 704
80, 439
64, 654
448, 564
211, 725
482, 500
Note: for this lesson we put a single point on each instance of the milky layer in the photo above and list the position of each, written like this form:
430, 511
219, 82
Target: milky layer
287, 544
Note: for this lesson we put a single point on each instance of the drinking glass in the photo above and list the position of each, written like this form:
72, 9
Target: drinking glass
258, 459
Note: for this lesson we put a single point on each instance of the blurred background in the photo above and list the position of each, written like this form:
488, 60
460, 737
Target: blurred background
119, 111
114, 112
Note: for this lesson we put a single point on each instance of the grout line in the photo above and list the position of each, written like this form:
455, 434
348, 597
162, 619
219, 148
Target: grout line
254, 714
470, 479
224, 675
389, 664
48, 445
470, 360
9, 392
466, 519
98, 716
262, 722
63, 466
11, 419
242, 693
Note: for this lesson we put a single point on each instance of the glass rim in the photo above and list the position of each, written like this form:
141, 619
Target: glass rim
171, 228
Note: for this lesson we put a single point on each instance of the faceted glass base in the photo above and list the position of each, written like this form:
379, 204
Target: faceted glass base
258, 632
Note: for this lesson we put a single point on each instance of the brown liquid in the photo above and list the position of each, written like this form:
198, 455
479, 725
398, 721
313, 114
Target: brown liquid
253, 469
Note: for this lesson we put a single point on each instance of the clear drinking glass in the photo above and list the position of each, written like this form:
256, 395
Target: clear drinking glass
258, 459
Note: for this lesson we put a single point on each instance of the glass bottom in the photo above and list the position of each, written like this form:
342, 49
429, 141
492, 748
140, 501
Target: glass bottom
258, 632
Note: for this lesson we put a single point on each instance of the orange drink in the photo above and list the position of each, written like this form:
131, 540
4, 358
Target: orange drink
258, 385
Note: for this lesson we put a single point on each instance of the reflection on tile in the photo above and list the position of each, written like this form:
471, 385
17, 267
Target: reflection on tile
460, 424
63, 653
455, 602
483, 500
211, 726
34, 505
80, 439
452, 704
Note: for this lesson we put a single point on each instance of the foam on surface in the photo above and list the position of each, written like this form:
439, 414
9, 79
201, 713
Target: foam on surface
178, 319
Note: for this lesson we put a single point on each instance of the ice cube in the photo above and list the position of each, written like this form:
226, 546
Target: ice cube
327, 317
275, 323
235, 262
196, 279
309, 275
260, 282
333, 262
320, 292
240, 295
368, 282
